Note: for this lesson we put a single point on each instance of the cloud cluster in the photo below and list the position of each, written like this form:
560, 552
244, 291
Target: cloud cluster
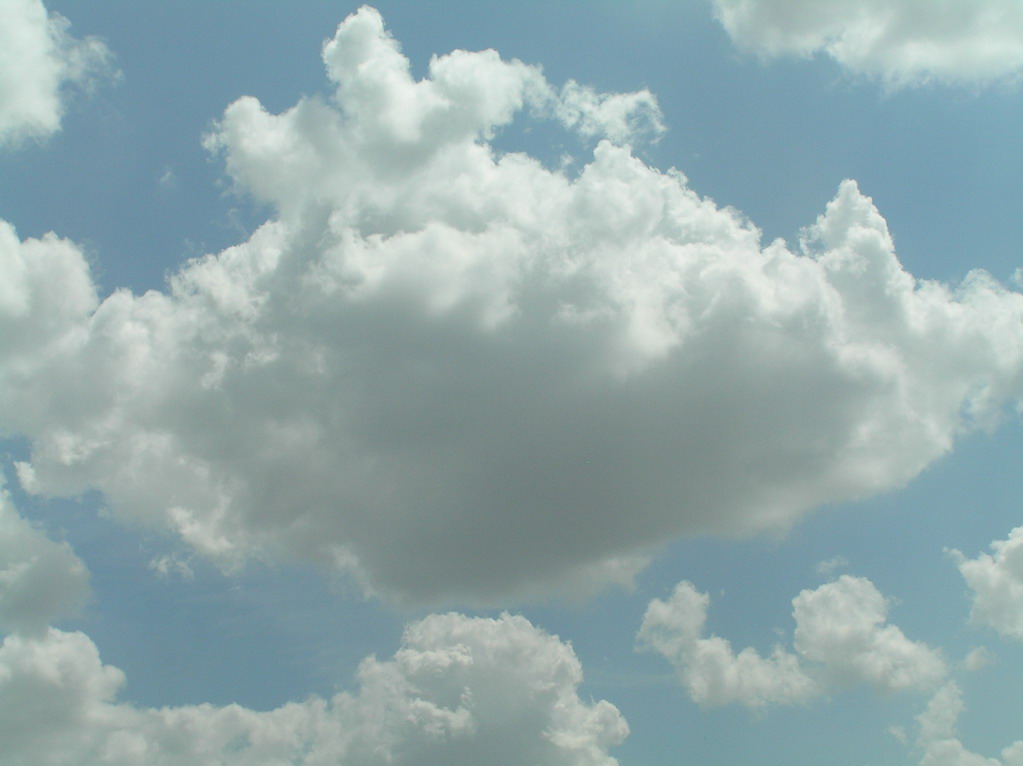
841, 639
39, 59
940, 741
905, 43
459, 375
997, 584
458, 691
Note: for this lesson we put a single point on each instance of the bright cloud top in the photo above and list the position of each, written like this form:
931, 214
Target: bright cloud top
458, 691
461, 376
841, 639
906, 42
38, 60
996, 580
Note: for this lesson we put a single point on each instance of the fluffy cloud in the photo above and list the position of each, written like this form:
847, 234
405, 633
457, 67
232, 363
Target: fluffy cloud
841, 625
40, 580
997, 583
458, 691
38, 60
841, 639
908, 42
709, 668
462, 376
940, 740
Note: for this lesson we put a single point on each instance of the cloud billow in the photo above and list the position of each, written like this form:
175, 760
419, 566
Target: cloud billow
460, 376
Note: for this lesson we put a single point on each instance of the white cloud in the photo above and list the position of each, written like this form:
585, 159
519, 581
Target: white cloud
906, 43
38, 60
462, 376
45, 292
841, 625
458, 691
841, 639
40, 580
464, 96
997, 583
618, 116
940, 741
709, 668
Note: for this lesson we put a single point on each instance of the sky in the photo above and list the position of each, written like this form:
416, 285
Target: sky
520, 383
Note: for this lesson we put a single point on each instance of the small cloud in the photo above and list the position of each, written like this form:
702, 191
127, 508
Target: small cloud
168, 178
172, 566
996, 580
978, 658
39, 62
829, 566
956, 42
842, 639
939, 736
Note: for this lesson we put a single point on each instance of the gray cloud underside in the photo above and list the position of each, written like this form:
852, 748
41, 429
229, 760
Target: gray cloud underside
458, 375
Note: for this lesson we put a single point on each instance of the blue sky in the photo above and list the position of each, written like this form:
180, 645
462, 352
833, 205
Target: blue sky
422, 413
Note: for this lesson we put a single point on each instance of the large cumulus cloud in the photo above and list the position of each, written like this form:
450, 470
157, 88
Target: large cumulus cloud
458, 691
905, 43
39, 60
460, 375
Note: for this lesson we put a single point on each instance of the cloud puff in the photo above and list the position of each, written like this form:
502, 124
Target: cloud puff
841, 639
905, 43
978, 658
940, 741
841, 625
40, 580
458, 691
38, 60
997, 584
709, 668
462, 376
